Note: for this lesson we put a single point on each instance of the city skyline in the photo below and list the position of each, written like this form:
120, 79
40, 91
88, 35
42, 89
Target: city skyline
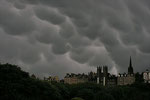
53, 37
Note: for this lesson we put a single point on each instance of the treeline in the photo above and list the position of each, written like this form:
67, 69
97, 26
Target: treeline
16, 84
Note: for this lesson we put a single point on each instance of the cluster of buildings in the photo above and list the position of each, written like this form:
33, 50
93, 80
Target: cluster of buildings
75, 78
103, 77
52, 79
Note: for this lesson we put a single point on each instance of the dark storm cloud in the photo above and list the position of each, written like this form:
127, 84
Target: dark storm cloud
51, 36
49, 14
13, 21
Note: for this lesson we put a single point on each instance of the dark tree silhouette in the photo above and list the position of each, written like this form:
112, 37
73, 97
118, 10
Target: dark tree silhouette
16, 84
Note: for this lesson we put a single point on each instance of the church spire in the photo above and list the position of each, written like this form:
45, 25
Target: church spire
130, 65
130, 68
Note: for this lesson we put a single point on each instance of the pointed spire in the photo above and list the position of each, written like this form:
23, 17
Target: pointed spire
130, 65
130, 68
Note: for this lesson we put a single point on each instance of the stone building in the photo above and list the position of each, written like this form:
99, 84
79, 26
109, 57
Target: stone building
146, 76
104, 78
101, 77
75, 78
125, 79
129, 78
52, 79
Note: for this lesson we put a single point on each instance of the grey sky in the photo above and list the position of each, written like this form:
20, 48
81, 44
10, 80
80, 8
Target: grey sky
53, 37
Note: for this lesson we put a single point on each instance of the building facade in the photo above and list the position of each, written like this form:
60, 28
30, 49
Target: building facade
126, 79
52, 79
104, 78
75, 78
146, 76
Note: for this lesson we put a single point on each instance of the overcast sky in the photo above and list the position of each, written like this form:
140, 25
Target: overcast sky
55, 37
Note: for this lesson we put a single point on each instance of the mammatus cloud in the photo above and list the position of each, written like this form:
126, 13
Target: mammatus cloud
53, 37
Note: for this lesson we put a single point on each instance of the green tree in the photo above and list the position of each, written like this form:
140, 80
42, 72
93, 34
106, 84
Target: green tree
86, 94
103, 96
77, 98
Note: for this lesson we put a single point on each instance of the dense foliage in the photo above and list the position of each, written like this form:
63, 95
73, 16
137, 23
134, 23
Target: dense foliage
16, 84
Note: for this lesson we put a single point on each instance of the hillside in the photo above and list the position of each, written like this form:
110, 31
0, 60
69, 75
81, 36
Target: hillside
16, 84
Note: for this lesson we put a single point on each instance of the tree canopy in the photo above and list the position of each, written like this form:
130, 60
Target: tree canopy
16, 84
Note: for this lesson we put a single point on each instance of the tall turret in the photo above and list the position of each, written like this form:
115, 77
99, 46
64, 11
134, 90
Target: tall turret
102, 75
130, 68
99, 73
105, 75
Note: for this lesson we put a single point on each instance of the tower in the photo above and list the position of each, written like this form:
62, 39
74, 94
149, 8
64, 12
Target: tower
99, 73
130, 68
105, 75
105, 70
102, 75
